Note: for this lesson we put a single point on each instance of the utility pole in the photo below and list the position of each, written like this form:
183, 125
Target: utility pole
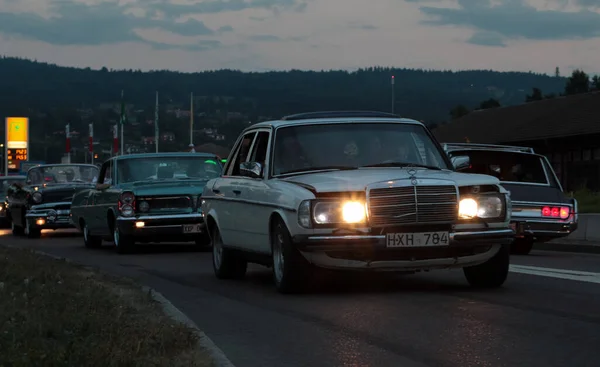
393, 97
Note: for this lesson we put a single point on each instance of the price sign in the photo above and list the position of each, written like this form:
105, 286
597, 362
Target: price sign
17, 142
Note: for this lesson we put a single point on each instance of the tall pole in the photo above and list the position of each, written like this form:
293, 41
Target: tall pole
122, 151
91, 147
393, 97
156, 123
68, 142
116, 139
192, 119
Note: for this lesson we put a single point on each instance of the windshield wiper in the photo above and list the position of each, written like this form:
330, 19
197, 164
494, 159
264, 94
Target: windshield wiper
320, 168
403, 165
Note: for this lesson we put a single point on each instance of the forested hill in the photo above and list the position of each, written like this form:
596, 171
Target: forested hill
427, 95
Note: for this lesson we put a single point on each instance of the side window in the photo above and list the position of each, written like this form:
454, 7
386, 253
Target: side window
241, 154
106, 173
259, 152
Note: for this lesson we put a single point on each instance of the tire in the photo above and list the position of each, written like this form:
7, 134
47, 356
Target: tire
124, 244
522, 246
227, 264
31, 232
492, 273
88, 240
16, 230
291, 272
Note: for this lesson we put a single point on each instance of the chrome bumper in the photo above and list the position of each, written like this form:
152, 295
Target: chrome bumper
543, 228
171, 226
378, 242
45, 216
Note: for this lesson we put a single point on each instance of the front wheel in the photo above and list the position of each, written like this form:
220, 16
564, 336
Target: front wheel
291, 271
124, 244
89, 240
31, 232
227, 264
16, 230
492, 273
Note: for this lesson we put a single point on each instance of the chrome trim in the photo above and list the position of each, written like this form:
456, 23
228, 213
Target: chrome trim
158, 217
475, 146
406, 182
538, 203
49, 205
454, 236
59, 214
321, 259
171, 226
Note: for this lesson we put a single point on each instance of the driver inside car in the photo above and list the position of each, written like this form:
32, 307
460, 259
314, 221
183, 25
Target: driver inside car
290, 156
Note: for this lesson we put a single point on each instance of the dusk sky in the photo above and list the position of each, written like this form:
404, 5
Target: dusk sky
260, 35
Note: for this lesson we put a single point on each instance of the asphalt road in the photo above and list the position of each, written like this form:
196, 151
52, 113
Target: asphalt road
548, 313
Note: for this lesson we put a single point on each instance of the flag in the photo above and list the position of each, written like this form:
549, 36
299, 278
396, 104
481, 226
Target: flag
123, 117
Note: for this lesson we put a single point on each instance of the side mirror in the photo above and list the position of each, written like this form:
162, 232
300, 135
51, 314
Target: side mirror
461, 162
251, 169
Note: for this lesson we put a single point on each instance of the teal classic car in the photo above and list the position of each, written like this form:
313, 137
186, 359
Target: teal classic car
146, 198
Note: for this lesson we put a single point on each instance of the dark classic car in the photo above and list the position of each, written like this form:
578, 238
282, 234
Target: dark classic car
541, 211
146, 198
44, 202
5, 184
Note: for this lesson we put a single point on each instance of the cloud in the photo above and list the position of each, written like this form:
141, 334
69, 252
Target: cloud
512, 19
273, 38
358, 25
76, 23
171, 10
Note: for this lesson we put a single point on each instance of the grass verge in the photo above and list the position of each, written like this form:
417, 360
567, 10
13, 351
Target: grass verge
588, 201
54, 313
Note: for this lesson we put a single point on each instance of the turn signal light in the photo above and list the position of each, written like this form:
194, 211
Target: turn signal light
556, 212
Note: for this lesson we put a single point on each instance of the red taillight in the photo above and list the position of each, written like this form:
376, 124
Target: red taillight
556, 212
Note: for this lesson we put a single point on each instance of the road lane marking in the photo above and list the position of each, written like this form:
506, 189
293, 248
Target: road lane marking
581, 276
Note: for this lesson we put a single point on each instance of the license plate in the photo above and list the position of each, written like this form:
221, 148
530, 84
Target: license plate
192, 228
421, 239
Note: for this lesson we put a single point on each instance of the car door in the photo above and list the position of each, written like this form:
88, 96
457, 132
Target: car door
95, 210
227, 205
252, 225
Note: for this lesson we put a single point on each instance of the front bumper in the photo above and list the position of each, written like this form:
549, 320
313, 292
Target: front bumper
542, 229
163, 228
369, 252
49, 217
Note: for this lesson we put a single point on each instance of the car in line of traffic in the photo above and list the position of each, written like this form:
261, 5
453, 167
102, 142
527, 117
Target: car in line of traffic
137, 198
541, 210
363, 191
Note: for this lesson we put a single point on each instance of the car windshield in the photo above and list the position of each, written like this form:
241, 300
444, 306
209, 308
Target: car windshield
7, 182
61, 174
168, 168
506, 166
353, 145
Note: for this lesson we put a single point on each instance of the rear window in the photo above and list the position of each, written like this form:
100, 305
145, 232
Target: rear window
507, 166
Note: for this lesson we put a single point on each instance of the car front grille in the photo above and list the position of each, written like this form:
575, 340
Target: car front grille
168, 203
413, 204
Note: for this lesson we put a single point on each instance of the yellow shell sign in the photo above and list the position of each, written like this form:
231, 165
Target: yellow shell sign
17, 132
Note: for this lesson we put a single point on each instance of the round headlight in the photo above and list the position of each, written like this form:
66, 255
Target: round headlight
144, 206
37, 197
127, 210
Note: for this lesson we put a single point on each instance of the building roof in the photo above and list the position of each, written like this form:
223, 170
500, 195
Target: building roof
548, 118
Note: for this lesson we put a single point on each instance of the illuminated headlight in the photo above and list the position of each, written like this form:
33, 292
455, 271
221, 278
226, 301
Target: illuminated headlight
331, 212
485, 207
143, 206
37, 197
127, 210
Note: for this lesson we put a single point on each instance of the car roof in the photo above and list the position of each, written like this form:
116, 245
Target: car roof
166, 154
63, 165
15, 177
489, 147
333, 120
